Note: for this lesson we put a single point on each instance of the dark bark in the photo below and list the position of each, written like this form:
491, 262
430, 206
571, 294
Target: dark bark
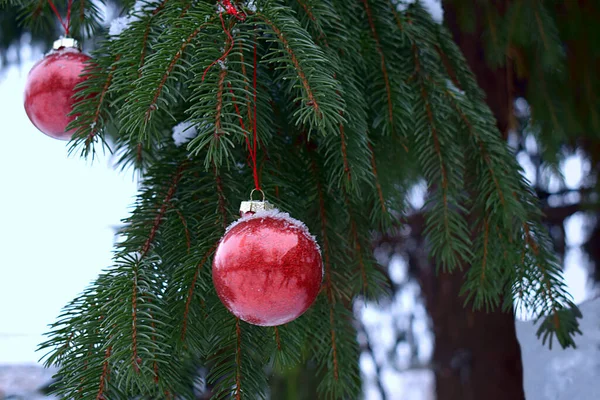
477, 354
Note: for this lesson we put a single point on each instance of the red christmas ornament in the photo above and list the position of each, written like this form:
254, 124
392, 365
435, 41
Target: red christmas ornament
267, 269
50, 88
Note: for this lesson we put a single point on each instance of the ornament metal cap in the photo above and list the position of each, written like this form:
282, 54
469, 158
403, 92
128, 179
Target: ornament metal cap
65, 42
253, 206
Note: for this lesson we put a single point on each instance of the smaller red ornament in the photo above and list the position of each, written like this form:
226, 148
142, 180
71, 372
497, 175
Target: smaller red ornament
50, 88
267, 269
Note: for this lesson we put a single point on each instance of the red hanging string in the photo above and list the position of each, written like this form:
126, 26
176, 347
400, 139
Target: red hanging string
70, 4
222, 58
251, 153
231, 10
253, 150
65, 23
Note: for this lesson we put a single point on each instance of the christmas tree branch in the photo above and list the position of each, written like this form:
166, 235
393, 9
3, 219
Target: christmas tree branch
238, 361
190, 294
105, 375
328, 281
152, 106
384, 71
377, 183
312, 101
158, 9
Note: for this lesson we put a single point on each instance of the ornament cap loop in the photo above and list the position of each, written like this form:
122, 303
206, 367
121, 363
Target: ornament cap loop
257, 190
252, 206
65, 42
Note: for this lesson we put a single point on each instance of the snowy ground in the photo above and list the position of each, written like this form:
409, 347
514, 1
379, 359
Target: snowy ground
23, 382
557, 374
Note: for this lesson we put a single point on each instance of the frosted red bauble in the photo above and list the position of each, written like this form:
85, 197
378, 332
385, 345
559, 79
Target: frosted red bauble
50, 88
267, 269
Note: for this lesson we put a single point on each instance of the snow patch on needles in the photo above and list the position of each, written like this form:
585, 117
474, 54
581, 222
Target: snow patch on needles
251, 5
433, 7
183, 133
145, 5
118, 25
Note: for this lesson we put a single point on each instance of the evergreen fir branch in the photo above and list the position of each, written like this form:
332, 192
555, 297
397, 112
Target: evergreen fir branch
116, 69
451, 238
501, 206
384, 71
237, 357
78, 347
548, 39
333, 343
288, 344
246, 87
347, 154
377, 184
152, 106
370, 282
216, 102
156, 10
328, 280
490, 200
454, 62
158, 85
211, 111
319, 107
86, 18
355, 71
222, 200
188, 241
104, 375
388, 70
548, 296
93, 93
342, 381
190, 294
37, 15
296, 64
238, 361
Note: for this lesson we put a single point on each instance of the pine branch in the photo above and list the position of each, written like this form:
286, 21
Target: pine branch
319, 107
191, 292
383, 63
452, 237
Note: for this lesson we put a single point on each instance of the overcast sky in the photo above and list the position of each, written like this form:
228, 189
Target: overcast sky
56, 223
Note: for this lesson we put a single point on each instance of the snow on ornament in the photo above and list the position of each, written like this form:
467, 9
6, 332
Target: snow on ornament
267, 269
50, 88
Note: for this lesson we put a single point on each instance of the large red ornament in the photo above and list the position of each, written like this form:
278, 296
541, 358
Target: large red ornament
50, 88
267, 268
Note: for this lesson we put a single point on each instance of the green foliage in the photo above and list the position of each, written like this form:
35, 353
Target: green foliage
355, 102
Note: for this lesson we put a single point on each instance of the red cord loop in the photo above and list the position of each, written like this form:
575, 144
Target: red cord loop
65, 23
224, 56
231, 10
252, 147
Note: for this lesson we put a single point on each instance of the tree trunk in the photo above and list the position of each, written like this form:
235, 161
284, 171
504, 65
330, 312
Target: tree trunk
477, 354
